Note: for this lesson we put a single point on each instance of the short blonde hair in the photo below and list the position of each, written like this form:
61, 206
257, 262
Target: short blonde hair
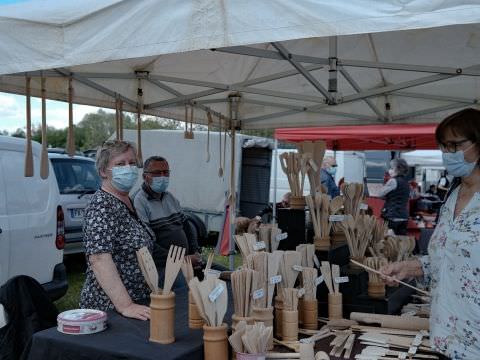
109, 149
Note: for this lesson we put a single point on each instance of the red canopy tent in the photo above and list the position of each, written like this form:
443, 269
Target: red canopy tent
366, 137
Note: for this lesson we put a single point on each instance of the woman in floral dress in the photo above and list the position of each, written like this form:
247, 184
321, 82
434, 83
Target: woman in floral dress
452, 266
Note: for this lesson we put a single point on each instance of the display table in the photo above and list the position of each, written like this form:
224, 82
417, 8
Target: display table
124, 339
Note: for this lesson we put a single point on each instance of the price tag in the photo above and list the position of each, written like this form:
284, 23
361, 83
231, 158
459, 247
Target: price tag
418, 340
297, 268
300, 292
213, 272
313, 165
412, 350
215, 293
342, 279
316, 262
306, 341
363, 206
258, 294
336, 218
281, 236
319, 280
402, 356
275, 279
259, 245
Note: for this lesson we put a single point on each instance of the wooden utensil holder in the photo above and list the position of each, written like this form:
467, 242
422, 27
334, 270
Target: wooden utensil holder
321, 243
310, 314
235, 319
376, 290
358, 259
335, 310
278, 317
162, 319
290, 325
297, 202
300, 311
215, 342
195, 321
265, 315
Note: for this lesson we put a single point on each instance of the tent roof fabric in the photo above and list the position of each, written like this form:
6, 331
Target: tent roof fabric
290, 63
367, 137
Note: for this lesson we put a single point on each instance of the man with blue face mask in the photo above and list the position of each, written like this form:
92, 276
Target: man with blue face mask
327, 176
162, 212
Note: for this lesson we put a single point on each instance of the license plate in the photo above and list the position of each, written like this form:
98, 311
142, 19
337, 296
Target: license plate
76, 213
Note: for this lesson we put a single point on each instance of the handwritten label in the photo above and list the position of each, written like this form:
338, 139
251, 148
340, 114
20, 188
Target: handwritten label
259, 245
258, 294
281, 236
418, 339
363, 206
215, 293
316, 262
300, 292
275, 279
319, 280
297, 268
412, 350
336, 218
341, 279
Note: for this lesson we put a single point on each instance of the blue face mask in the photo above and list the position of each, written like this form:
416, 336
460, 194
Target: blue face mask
456, 164
159, 183
332, 170
124, 177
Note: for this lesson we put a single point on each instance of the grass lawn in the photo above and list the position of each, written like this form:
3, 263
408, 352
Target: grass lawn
76, 268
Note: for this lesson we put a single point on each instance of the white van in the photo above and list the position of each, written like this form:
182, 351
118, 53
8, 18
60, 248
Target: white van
31, 221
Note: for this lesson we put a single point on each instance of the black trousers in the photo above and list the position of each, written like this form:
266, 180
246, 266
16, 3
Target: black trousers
398, 227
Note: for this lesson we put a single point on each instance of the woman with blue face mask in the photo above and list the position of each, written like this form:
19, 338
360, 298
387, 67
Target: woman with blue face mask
452, 266
113, 234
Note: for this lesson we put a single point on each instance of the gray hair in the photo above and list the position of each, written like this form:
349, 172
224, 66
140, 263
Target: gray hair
109, 149
400, 166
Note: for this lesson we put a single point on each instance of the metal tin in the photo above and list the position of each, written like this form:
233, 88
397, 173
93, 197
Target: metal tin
81, 321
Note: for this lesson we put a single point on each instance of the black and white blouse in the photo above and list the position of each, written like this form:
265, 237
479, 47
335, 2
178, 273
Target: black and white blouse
110, 227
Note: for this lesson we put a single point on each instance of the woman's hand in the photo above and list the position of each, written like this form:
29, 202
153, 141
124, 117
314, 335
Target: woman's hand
401, 270
136, 311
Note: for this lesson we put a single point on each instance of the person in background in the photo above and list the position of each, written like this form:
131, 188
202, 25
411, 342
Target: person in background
112, 234
442, 186
432, 190
452, 266
396, 193
327, 176
162, 212
414, 193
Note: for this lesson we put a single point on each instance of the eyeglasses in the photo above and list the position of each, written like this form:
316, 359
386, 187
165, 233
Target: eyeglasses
158, 173
452, 146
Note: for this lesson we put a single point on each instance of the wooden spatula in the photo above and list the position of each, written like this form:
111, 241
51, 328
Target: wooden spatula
149, 270
174, 263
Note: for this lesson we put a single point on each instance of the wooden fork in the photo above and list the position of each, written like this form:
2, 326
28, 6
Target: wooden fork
174, 263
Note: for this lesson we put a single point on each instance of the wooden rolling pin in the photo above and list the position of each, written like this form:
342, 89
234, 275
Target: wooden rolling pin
392, 321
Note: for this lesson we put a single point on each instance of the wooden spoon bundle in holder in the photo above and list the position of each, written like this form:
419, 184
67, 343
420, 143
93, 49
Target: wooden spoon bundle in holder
308, 306
376, 286
267, 233
359, 232
294, 165
247, 244
330, 276
290, 315
319, 212
250, 339
353, 195
314, 152
244, 284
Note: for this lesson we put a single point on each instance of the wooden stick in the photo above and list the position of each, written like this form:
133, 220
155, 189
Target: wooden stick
389, 277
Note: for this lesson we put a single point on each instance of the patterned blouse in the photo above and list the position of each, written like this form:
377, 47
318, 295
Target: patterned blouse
110, 227
453, 270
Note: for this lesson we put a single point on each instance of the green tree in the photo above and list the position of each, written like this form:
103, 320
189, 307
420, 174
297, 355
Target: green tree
19, 133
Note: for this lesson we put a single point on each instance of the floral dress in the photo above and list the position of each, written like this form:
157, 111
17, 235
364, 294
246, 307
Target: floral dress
110, 227
453, 270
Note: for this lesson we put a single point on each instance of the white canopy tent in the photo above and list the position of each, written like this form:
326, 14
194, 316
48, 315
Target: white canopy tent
299, 63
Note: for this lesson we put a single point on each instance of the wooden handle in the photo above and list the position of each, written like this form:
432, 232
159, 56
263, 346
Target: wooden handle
70, 135
28, 144
44, 156
392, 321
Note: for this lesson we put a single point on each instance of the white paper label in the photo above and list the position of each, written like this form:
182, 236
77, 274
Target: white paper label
258, 294
275, 279
336, 218
306, 341
213, 272
363, 206
297, 268
412, 350
418, 340
319, 280
316, 262
281, 236
259, 245
300, 292
341, 279
402, 356
215, 293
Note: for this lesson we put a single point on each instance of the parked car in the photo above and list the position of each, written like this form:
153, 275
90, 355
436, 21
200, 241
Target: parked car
77, 179
31, 221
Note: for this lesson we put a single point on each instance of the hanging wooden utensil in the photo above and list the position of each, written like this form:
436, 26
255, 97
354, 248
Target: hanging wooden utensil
70, 134
44, 163
28, 145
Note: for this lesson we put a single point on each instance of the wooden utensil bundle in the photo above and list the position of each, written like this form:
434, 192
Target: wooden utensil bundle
211, 298
375, 263
396, 247
267, 265
309, 277
148, 268
344, 341
290, 299
319, 212
353, 195
358, 233
289, 275
315, 152
291, 163
246, 244
329, 275
307, 252
251, 339
268, 234
243, 286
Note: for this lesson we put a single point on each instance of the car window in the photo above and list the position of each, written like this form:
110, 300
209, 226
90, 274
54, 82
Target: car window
76, 176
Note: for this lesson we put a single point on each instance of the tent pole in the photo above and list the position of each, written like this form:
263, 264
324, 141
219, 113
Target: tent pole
275, 157
232, 199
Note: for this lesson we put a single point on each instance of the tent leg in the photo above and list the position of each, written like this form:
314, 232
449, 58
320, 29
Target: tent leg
274, 205
233, 200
